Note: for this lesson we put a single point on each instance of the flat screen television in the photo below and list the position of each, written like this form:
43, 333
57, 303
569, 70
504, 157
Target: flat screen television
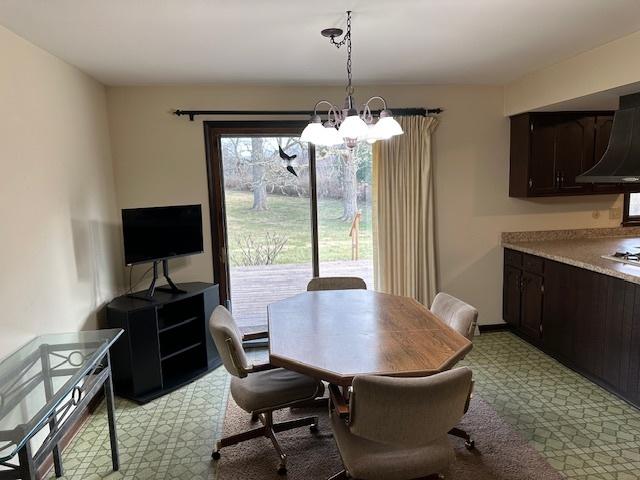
160, 233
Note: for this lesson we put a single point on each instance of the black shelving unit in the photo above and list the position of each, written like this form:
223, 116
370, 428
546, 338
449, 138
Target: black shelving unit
166, 342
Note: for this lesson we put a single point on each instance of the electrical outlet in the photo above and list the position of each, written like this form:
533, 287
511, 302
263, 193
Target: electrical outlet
595, 214
615, 213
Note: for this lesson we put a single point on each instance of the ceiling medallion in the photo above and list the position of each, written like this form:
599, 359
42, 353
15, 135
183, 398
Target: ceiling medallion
349, 125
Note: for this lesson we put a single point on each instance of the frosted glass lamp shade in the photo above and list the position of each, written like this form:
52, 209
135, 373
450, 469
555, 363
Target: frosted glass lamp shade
331, 136
371, 134
313, 133
386, 127
353, 127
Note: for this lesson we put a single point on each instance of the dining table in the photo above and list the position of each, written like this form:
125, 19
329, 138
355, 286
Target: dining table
336, 335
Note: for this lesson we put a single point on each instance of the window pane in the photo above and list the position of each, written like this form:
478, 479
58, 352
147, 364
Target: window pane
634, 204
268, 223
345, 241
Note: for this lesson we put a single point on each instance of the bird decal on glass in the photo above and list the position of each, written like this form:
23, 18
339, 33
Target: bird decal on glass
287, 160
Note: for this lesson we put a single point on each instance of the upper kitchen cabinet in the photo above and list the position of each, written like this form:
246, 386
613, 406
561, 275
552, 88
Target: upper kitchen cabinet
549, 149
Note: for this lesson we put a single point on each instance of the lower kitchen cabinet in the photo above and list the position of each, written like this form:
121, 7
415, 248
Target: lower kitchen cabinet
587, 320
512, 288
523, 288
531, 305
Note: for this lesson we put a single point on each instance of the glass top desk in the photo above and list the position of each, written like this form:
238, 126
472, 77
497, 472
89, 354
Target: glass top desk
48, 382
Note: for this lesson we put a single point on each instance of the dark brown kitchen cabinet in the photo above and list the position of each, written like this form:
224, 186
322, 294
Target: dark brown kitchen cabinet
512, 289
561, 309
549, 149
587, 320
522, 292
531, 309
574, 151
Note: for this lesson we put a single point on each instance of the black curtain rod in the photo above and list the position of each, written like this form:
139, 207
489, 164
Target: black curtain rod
401, 112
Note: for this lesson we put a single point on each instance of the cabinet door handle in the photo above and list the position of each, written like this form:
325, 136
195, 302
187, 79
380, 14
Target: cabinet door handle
530, 182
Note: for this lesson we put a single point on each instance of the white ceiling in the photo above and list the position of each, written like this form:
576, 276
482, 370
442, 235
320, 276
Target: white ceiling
278, 41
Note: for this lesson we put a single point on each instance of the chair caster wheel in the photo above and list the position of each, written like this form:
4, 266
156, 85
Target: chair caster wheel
282, 470
470, 444
215, 455
313, 428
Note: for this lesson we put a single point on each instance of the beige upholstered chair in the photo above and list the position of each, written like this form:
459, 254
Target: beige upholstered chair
259, 389
463, 318
397, 427
459, 315
336, 283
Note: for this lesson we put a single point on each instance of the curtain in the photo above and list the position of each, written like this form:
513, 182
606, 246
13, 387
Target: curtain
403, 219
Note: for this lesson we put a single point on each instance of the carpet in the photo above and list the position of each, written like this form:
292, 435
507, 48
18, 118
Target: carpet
500, 453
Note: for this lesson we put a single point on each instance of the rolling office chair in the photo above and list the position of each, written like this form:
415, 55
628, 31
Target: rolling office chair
463, 318
260, 389
460, 316
397, 427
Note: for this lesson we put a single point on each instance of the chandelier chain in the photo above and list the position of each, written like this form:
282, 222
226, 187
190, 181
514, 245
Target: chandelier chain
346, 40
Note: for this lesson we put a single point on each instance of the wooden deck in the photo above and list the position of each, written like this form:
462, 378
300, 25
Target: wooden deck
253, 288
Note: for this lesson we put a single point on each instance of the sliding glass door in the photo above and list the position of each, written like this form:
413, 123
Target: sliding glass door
275, 222
345, 241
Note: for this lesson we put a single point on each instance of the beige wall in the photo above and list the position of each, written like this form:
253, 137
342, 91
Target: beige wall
159, 159
59, 245
607, 67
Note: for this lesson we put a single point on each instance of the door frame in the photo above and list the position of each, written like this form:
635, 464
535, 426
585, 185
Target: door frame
213, 131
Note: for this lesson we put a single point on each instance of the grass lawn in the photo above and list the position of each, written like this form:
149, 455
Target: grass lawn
290, 216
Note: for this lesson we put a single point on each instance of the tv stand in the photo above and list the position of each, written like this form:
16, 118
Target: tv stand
166, 341
172, 288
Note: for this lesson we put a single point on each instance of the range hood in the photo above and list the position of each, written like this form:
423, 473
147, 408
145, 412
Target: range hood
621, 161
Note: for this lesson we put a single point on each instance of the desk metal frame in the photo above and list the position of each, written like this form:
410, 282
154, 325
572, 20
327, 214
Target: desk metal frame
61, 412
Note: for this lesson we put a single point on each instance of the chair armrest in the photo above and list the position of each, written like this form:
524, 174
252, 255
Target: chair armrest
340, 404
261, 367
255, 335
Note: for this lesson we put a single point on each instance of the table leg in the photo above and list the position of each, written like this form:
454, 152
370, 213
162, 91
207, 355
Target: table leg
111, 414
48, 390
27, 467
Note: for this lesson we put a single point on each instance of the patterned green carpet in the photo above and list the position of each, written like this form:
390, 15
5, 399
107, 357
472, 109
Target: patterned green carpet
169, 438
583, 431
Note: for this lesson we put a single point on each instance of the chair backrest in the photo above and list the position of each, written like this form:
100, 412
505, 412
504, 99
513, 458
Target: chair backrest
409, 412
227, 338
459, 315
336, 283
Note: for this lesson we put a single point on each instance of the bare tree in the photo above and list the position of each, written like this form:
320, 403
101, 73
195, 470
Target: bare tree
258, 184
349, 186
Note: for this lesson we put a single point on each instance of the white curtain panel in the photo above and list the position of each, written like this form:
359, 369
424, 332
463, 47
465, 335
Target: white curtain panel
403, 219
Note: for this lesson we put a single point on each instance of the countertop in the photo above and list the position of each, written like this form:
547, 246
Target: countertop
585, 253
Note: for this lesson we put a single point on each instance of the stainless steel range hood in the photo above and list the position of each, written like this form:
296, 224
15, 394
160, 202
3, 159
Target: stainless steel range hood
621, 161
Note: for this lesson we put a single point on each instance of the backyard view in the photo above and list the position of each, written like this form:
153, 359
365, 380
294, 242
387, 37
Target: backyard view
268, 215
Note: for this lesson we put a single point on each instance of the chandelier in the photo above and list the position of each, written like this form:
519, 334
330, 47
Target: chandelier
349, 125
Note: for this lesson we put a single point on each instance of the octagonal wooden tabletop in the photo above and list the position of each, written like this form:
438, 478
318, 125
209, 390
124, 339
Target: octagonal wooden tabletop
335, 335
